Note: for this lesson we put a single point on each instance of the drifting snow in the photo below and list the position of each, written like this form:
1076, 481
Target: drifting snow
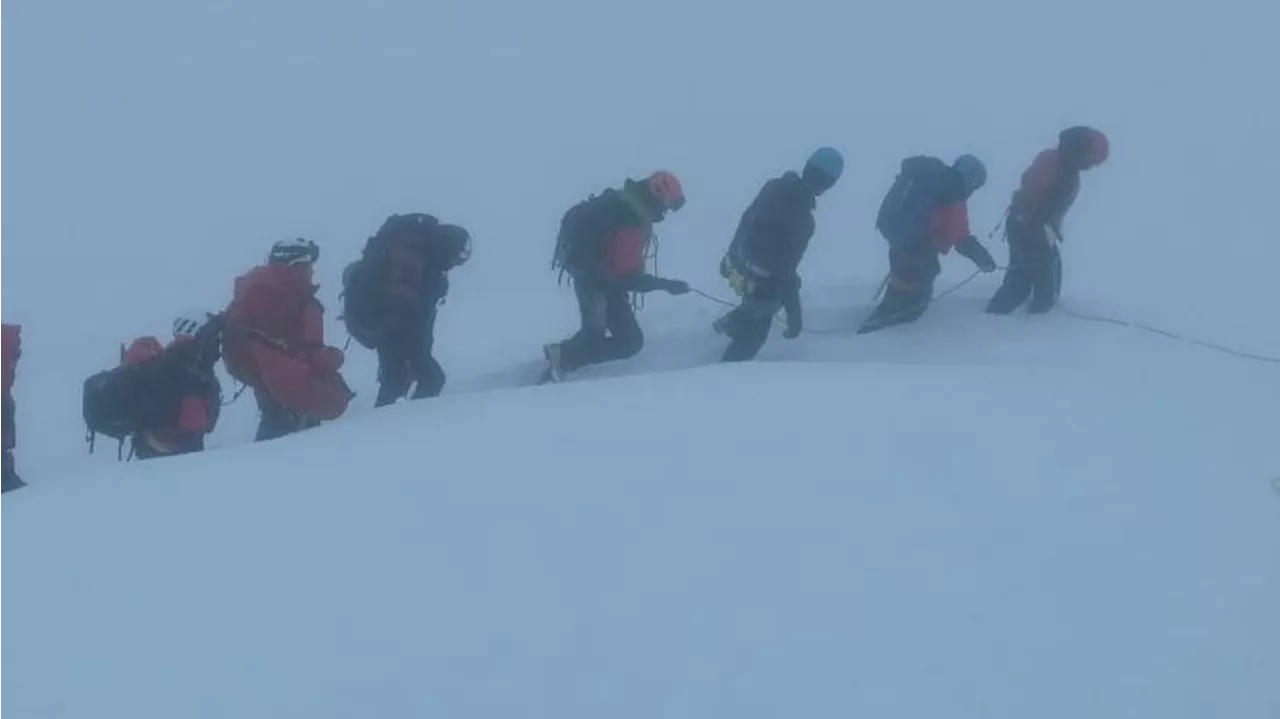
967, 517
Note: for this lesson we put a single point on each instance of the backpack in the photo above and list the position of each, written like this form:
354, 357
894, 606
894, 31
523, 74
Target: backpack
269, 301
123, 400
269, 304
358, 291
908, 206
576, 253
141, 350
364, 280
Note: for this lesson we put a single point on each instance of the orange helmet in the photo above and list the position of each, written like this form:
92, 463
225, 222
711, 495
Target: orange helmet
1099, 149
666, 189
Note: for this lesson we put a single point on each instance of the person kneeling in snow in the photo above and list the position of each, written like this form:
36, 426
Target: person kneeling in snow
165, 400
12, 350
601, 246
1033, 226
190, 359
273, 341
763, 260
923, 216
391, 295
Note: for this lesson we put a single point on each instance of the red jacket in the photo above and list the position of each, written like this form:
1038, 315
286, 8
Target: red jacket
623, 253
273, 340
12, 349
1050, 185
949, 225
1048, 189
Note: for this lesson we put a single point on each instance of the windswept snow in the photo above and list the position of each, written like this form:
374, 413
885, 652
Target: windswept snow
969, 517
981, 538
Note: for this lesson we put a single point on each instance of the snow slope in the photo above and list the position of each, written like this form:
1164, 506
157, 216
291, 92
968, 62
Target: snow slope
967, 517
999, 532
157, 149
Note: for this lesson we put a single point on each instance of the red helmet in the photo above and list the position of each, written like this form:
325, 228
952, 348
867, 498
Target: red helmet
1099, 149
1084, 146
666, 189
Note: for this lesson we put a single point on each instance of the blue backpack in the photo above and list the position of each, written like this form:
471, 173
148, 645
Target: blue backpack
908, 207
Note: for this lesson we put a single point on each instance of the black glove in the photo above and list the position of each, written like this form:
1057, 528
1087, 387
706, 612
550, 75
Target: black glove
675, 287
971, 248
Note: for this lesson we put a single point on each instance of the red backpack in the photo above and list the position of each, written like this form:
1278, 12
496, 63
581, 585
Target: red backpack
143, 349
268, 305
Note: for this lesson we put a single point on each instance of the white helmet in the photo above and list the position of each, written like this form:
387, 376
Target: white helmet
295, 251
189, 324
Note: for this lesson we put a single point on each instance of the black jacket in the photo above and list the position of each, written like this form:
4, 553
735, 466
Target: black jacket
773, 235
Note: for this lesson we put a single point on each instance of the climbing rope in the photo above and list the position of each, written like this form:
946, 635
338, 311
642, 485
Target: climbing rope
1064, 310
840, 331
1166, 333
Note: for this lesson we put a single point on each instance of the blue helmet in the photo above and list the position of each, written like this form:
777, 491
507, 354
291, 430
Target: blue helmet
972, 170
828, 161
823, 169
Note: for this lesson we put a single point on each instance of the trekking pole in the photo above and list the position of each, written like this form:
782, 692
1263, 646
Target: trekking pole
1003, 218
236, 396
884, 284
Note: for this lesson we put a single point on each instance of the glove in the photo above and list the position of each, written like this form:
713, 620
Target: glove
978, 254
794, 326
676, 287
1055, 237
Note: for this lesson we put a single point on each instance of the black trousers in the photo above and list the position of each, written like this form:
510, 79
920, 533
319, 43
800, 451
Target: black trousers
1035, 271
748, 324
275, 420
609, 331
405, 358
910, 290
11, 478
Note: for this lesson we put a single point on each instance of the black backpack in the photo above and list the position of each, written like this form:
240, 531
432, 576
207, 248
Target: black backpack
908, 207
359, 283
124, 400
576, 247
362, 279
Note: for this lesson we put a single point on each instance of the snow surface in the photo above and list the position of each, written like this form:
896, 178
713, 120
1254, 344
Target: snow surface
966, 517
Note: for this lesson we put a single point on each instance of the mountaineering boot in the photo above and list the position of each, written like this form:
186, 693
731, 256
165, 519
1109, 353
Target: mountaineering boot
724, 325
388, 394
11, 479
